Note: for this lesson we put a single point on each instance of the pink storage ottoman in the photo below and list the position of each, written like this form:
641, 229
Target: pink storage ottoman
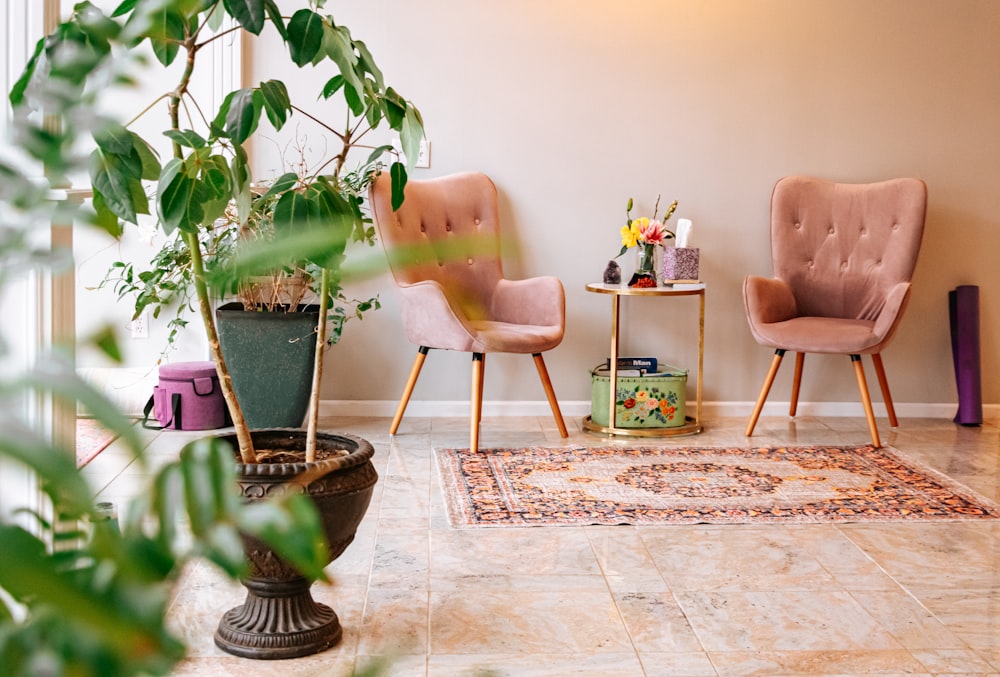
189, 397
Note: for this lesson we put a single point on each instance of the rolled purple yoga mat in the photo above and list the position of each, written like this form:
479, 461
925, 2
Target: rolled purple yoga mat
963, 308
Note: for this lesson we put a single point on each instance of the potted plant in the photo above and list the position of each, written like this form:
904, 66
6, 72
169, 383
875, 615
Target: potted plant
207, 171
268, 333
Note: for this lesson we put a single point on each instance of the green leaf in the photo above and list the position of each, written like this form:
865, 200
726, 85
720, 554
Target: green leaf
53, 466
291, 211
16, 95
250, 13
113, 179
139, 198
167, 492
244, 112
354, 101
305, 36
186, 137
332, 85
397, 173
377, 153
395, 108
106, 342
215, 18
29, 572
99, 29
338, 46
200, 487
240, 175
219, 123
283, 183
277, 105
217, 178
329, 210
165, 51
368, 64
165, 33
147, 156
180, 198
114, 138
274, 14
124, 8
104, 218
410, 134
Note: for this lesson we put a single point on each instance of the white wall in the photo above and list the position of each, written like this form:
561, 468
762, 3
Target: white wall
573, 106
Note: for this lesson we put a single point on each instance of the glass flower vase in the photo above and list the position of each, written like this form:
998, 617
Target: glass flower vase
645, 269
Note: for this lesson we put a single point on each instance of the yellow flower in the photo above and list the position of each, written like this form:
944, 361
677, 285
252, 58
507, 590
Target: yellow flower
631, 233
641, 396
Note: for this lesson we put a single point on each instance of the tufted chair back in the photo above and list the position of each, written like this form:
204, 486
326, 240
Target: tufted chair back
448, 229
842, 248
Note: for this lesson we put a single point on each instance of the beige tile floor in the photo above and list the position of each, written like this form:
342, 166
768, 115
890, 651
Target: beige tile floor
850, 599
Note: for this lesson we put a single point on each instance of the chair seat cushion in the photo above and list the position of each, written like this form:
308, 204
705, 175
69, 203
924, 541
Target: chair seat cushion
820, 335
504, 337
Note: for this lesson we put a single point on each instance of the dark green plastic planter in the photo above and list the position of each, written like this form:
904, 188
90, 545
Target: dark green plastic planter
270, 359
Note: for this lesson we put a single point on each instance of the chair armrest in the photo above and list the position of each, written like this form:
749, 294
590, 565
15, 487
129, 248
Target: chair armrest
538, 300
768, 300
888, 318
430, 319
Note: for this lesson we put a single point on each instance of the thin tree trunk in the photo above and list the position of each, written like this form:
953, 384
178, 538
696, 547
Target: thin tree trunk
247, 453
313, 422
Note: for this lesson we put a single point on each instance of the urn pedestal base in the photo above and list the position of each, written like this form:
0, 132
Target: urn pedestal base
279, 619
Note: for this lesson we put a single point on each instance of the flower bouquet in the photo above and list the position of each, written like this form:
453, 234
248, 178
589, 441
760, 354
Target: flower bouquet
645, 233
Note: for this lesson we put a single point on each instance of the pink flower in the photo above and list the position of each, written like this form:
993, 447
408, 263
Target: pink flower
652, 232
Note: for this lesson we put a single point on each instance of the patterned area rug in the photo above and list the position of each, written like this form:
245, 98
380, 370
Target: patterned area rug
91, 439
545, 486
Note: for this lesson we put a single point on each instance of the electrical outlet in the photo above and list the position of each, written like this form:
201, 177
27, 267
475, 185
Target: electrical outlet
424, 156
140, 326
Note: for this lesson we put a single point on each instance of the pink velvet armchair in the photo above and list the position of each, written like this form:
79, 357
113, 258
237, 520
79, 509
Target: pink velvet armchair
444, 251
843, 256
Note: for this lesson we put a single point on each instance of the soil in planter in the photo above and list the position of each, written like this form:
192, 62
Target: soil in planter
273, 455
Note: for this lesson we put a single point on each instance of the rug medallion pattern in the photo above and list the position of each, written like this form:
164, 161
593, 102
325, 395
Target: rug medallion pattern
547, 486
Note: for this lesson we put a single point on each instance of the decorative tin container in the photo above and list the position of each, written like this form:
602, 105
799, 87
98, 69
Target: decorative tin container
647, 401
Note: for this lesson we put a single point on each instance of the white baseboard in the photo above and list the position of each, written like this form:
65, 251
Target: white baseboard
130, 388
582, 408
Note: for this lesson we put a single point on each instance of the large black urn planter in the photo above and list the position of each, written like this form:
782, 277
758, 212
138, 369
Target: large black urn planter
270, 356
279, 618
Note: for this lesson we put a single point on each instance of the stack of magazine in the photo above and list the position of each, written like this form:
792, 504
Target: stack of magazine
634, 366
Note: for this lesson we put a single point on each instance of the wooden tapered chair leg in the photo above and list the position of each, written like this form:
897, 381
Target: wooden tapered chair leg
765, 389
418, 364
866, 400
793, 406
883, 383
476, 416
550, 393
